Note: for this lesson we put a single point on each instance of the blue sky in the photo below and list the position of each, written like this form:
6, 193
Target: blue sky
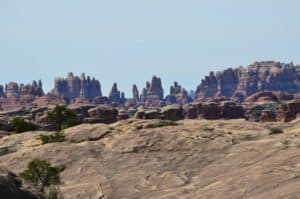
129, 41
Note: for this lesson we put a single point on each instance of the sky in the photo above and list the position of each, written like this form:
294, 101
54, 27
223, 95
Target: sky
130, 41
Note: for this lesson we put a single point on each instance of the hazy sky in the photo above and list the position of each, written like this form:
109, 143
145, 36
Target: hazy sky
128, 41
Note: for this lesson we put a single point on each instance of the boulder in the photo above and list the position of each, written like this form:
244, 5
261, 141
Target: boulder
284, 114
294, 106
4, 124
102, 114
11, 187
140, 114
172, 112
268, 116
123, 115
152, 114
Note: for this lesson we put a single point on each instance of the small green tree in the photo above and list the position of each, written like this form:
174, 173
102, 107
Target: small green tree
63, 117
41, 174
56, 137
19, 125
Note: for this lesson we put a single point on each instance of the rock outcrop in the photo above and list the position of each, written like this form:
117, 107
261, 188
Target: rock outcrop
178, 95
288, 112
102, 114
115, 94
1, 91
19, 95
153, 94
214, 110
269, 97
153, 90
172, 112
268, 116
11, 187
74, 87
135, 93
244, 81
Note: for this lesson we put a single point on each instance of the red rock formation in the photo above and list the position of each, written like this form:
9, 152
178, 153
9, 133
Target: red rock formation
115, 94
154, 89
49, 99
269, 96
152, 95
245, 81
178, 95
17, 96
74, 87
1, 91
230, 110
268, 116
135, 93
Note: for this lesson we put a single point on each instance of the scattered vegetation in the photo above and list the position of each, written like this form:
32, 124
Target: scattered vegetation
161, 123
63, 117
20, 125
275, 130
43, 176
56, 137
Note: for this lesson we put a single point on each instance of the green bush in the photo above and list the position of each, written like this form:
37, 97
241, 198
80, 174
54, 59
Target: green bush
275, 130
56, 137
41, 174
63, 117
53, 193
19, 125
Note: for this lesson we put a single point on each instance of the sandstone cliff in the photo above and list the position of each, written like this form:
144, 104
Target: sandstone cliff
17, 95
178, 95
245, 81
74, 87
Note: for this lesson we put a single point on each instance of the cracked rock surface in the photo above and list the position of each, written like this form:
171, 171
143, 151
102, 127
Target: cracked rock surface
194, 159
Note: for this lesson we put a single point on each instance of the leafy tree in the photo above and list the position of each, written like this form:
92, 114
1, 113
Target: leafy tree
19, 125
41, 174
63, 117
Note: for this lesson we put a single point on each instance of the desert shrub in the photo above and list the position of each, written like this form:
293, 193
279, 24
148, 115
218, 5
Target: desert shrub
63, 117
53, 193
275, 130
19, 125
161, 123
41, 174
56, 137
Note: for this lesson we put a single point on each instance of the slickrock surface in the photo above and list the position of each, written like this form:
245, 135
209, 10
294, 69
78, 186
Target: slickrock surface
195, 159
